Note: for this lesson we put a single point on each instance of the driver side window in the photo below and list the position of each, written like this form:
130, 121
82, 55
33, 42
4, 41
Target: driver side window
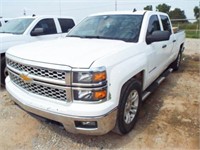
48, 26
153, 25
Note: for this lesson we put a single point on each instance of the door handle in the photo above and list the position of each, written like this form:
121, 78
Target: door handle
174, 41
164, 46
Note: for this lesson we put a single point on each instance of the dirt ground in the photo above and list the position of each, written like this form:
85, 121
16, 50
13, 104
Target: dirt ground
169, 118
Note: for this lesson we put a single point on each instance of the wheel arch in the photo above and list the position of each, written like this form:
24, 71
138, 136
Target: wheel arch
120, 127
182, 47
139, 77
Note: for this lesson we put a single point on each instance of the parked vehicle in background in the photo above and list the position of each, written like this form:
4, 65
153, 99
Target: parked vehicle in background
29, 29
3, 21
95, 79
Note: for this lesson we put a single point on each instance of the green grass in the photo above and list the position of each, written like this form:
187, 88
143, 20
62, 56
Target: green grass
192, 34
190, 29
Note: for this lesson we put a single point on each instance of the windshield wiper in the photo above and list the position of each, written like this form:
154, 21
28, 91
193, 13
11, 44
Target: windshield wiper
85, 36
90, 36
101, 37
5, 32
73, 36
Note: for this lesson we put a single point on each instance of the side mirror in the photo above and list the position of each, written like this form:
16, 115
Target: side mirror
37, 31
157, 36
69, 29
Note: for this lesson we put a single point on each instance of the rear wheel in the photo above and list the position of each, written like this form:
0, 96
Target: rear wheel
176, 64
129, 106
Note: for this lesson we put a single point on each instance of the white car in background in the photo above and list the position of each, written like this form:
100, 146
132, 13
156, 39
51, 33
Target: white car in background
29, 29
3, 21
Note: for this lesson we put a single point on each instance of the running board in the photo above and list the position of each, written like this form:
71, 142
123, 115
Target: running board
156, 83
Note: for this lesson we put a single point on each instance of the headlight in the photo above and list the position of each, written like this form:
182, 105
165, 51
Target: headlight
89, 84
91, 76
90, 95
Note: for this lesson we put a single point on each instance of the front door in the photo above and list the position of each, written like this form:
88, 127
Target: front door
157, 52
49, 30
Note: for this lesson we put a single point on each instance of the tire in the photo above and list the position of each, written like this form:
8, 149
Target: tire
129, 107
3, 70
176, 64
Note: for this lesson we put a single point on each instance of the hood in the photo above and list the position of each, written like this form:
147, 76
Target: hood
8, 37
70, 51
8, 40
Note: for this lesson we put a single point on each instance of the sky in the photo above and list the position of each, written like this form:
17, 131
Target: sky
79, 9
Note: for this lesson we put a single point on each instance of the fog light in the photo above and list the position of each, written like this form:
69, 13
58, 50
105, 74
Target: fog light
86, 124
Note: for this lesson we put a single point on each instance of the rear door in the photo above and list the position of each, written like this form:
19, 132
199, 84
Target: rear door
66, 25
166, 26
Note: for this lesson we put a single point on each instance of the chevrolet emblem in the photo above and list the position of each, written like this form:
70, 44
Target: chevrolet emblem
25, 78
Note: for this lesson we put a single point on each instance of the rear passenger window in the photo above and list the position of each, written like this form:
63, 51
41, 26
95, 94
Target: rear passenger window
48, 26
153, 25
166, 23
66, 24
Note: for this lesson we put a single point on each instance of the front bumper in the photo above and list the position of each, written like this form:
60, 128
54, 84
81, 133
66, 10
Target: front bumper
105, 122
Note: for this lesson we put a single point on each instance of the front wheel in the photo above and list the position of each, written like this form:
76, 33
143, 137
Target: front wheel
3, 71
129, 106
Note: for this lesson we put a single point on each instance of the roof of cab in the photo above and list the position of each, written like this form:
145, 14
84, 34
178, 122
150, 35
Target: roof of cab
120, 13
142, 12
43, 16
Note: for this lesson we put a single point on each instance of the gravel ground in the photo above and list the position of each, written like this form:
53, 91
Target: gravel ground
192, 46
169, 118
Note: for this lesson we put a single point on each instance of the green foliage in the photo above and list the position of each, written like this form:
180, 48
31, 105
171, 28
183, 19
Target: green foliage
192, 34
148, 7
163, 8
191, 29
177, 13
185, 26
196, 12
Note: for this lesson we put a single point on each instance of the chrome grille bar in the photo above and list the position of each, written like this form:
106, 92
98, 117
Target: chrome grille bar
38, 71
49, 81
47, 91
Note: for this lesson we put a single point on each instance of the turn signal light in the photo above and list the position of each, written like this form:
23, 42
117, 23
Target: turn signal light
100, 94
99, 76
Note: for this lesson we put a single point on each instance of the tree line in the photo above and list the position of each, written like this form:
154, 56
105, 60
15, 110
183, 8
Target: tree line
177, 13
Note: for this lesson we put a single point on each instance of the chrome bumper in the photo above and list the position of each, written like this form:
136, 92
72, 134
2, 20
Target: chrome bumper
105, 123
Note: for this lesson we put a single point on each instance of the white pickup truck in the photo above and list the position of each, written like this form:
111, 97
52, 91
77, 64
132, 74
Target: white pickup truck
29, 29
94, 80
3, 21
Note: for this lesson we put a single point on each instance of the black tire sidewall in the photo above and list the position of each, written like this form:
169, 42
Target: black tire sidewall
3, 65
123, 127
175, 65
177, 61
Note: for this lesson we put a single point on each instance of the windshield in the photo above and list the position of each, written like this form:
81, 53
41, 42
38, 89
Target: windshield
16, 26
118, 27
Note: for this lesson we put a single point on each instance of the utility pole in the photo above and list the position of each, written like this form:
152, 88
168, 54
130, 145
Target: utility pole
24, 12
199, 19
60, 7
115, 5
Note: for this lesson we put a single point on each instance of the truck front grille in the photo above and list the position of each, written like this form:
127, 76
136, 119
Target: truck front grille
38, 71
54, 93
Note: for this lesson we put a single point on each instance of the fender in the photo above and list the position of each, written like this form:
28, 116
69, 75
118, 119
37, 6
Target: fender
123, 72
123, 66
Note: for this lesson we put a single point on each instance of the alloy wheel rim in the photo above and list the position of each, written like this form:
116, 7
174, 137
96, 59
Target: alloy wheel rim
131, 107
